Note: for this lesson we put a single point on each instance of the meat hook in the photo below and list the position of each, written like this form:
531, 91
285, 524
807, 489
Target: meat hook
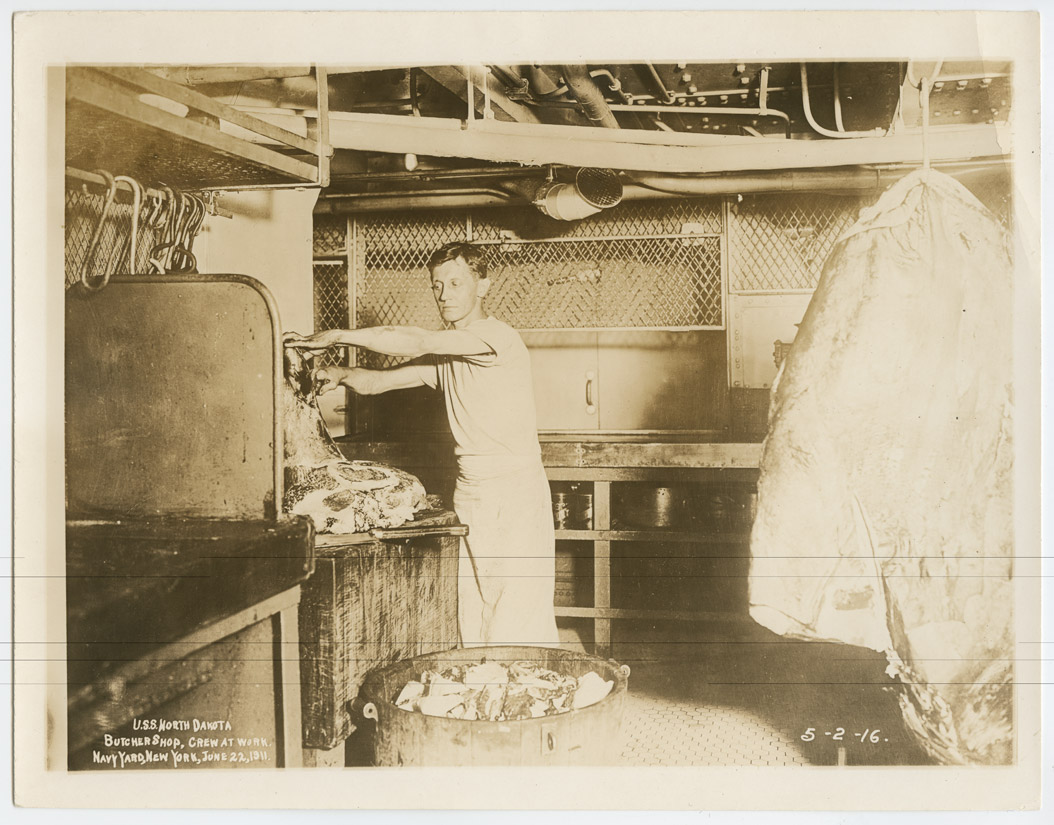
169, 223
89, 258
137, 205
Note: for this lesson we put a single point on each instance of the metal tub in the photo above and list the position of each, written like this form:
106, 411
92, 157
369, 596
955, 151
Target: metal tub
579, 737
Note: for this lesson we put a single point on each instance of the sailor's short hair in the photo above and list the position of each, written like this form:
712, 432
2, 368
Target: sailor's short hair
471, 254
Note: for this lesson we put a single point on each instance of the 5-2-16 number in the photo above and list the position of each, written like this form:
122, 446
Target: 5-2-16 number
872, 736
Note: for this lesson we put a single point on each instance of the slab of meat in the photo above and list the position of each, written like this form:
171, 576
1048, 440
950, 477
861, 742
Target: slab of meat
885, 498
339, 495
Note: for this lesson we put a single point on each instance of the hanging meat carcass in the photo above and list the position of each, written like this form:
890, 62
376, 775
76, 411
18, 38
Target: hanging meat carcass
339, 495
885, 498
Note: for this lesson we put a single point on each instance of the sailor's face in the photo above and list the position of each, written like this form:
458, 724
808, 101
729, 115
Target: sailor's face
458, 292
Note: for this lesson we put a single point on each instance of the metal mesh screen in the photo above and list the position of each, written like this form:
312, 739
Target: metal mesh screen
391, 278
331, 304
330, 235
624, 283
640, 265
111, 253
780, 242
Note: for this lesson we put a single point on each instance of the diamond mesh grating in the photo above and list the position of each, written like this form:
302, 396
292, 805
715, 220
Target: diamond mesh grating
330, 235
111, 254
391, 277
607, 283
597, 273
780, 242
331, 304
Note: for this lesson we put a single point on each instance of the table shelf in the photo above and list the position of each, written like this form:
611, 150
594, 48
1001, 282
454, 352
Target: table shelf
606, 536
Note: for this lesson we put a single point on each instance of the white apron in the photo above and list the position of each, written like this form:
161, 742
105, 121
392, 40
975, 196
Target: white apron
507, 565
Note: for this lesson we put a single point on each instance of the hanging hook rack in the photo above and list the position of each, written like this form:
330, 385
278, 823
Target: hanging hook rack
175, 218
184, 215
148, 193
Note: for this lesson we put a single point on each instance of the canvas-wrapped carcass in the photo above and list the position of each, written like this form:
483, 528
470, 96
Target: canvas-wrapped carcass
885, 496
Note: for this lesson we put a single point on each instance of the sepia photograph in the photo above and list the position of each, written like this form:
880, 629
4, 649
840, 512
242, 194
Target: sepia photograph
559, 399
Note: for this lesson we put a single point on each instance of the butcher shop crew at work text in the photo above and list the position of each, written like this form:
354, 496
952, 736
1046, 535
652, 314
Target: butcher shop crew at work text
506, 575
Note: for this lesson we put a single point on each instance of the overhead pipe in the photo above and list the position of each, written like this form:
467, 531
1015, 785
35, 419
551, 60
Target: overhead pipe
426, 174
761, 110
739, 183
645, 186
680, 109
509, 76
838, 124
816, 127
614, 84
657, 81
540, 84
468, 198
708, 111
589, 97
856, 179
591, 191
540, 90
529, 187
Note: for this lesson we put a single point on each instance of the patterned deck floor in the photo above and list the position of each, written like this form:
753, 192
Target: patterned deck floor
658, 731
748, 700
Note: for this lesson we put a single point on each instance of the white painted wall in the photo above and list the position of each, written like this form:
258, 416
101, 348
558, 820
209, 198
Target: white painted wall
269, 238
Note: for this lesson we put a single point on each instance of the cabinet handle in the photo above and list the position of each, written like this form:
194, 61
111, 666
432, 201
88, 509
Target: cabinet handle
590, 406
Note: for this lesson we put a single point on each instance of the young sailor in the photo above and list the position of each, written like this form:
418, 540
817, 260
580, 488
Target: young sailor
506, 573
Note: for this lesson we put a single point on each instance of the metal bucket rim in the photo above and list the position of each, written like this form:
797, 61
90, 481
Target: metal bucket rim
620, 673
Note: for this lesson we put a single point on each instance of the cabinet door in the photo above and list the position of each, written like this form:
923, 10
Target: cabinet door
655, 380
566, 379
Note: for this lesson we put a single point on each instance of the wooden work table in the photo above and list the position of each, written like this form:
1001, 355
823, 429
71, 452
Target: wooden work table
371, 601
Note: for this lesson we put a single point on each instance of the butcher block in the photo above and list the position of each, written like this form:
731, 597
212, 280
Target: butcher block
370, 602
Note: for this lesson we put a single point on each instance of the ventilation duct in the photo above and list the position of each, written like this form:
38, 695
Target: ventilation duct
592, 190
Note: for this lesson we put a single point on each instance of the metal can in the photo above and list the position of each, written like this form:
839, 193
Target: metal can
561, 511
582, 511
